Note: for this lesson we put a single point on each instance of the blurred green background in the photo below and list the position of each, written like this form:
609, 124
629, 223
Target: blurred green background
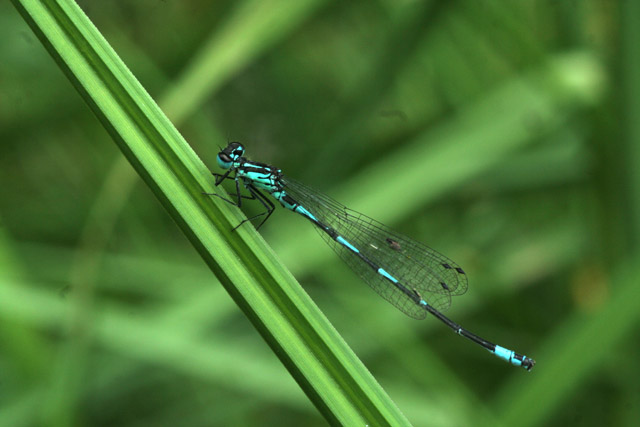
504, 134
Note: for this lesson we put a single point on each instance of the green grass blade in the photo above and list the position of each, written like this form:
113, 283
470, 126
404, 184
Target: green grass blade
319, 360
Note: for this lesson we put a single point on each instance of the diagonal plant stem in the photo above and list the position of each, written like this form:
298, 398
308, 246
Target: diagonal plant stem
316, 356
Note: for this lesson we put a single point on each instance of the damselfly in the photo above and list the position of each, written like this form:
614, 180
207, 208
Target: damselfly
413, 277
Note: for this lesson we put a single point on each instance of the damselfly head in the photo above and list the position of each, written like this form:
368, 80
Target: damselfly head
230, 154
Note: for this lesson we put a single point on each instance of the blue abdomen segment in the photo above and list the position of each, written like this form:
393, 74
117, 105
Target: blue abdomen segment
302, 211
514, 358
352, 248
508, 355
383, 273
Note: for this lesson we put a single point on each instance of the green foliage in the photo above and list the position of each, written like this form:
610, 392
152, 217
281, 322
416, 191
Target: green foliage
501, 133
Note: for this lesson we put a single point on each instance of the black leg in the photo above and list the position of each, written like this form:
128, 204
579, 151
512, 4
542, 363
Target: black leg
220, 178
258, 195
237, 196
254, 194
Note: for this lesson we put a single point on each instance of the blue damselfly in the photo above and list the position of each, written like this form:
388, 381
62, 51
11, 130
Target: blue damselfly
413, 277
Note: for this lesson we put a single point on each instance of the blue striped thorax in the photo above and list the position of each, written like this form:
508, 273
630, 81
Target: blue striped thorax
261, 175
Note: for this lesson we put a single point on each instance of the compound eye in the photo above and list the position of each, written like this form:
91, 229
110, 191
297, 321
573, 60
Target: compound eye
224, 157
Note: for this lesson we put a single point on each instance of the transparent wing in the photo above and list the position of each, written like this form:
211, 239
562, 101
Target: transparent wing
419, 268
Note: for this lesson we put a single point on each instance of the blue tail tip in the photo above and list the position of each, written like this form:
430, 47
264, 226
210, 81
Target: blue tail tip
514, 358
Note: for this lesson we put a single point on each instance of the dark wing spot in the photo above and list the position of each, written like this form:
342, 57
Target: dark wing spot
445, 286
393, 244
447, 266
459, 270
